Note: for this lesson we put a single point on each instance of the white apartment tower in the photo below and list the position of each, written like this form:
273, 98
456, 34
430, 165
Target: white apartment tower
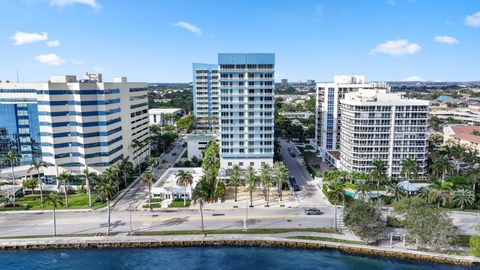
377, 125
246, 109
205, 95
328, 123
84, 123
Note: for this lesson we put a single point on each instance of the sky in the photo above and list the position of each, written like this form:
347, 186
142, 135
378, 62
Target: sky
158, 40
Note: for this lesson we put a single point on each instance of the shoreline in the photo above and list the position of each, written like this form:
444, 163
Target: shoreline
230, 240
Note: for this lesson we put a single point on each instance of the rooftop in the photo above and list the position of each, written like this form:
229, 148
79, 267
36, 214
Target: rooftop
463, 132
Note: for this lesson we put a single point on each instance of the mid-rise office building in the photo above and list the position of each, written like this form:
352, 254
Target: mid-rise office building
246, 109
328, 124
73, 124
284, 82
205, 95
377, 125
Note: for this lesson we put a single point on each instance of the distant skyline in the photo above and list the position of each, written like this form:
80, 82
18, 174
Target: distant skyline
157, 41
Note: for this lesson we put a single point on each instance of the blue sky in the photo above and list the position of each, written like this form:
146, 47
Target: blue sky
157, 41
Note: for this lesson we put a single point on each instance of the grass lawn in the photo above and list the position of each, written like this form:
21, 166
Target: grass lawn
75, 201
250, 231
154, 205
327, 239
179, 203
153, 200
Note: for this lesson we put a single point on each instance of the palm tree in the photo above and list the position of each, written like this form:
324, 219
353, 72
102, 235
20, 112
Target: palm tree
396, 190
12, 158
184, 179
125, 166
409, 169
457, 151
136, 146
36, 166
152, 162
148, 179
442, 192
474, 178
235, 179
111, 174
266, 179
30, 183
106, 189
442, 166
428, 194
362, 189
378, 172
201, 193
281, 176
336, 192
63, 179
89, 177
251, 180
55, 201
463, 197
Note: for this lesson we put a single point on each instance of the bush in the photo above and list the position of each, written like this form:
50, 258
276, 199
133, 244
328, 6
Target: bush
365, 219
475, 244
394, 222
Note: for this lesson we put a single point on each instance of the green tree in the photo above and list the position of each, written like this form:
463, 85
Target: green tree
428, 225
463, 198
152, 162
251, 181
106, 190
30, 183
184, 179
396, 190
89, 177
36, 166
442, 167
336, 193
363, 190
55, 201
201, 193
281, 176
378, 172
12, 158
148, 179
365, 220
266, 179
235, 179
473, 175
137, 145
409, 169
441, 192
125, 167
186, 123
64, 180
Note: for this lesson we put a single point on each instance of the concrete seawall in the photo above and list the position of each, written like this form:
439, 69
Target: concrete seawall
138, 242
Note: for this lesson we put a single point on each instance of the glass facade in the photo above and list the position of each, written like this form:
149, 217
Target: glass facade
19, 132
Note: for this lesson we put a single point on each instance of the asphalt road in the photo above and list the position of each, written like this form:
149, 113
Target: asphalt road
139, 191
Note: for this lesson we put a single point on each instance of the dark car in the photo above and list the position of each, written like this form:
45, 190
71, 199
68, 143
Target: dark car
292, 154
313, 211
296, 187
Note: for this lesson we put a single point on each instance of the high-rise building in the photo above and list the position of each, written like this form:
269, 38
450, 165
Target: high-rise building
205, 95
310, 82
328, 124
246, 109
284, 82
78, 124
377, 125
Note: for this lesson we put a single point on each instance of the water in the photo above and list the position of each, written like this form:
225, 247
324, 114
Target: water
208, 258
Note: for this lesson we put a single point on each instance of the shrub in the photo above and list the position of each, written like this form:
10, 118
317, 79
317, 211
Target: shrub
365, 219
394, 222
475, 244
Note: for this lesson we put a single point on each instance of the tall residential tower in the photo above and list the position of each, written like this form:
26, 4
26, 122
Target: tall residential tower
205, 95
246, 109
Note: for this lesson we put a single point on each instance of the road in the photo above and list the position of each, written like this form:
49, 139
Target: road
310, 195
139, 191
21, 224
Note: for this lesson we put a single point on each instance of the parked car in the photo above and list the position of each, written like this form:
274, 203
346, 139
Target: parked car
313, 211
296, 187
292, 154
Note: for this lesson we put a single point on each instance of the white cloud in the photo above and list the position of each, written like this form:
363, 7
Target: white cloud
53, 43
49, 59
391, 2
399, 47
473, 20
446, 40
190, 27
23, 37
92, 3
414, 79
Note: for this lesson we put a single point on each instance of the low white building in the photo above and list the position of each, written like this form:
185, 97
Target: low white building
157, 116
297, 115
166, 187
196, 143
